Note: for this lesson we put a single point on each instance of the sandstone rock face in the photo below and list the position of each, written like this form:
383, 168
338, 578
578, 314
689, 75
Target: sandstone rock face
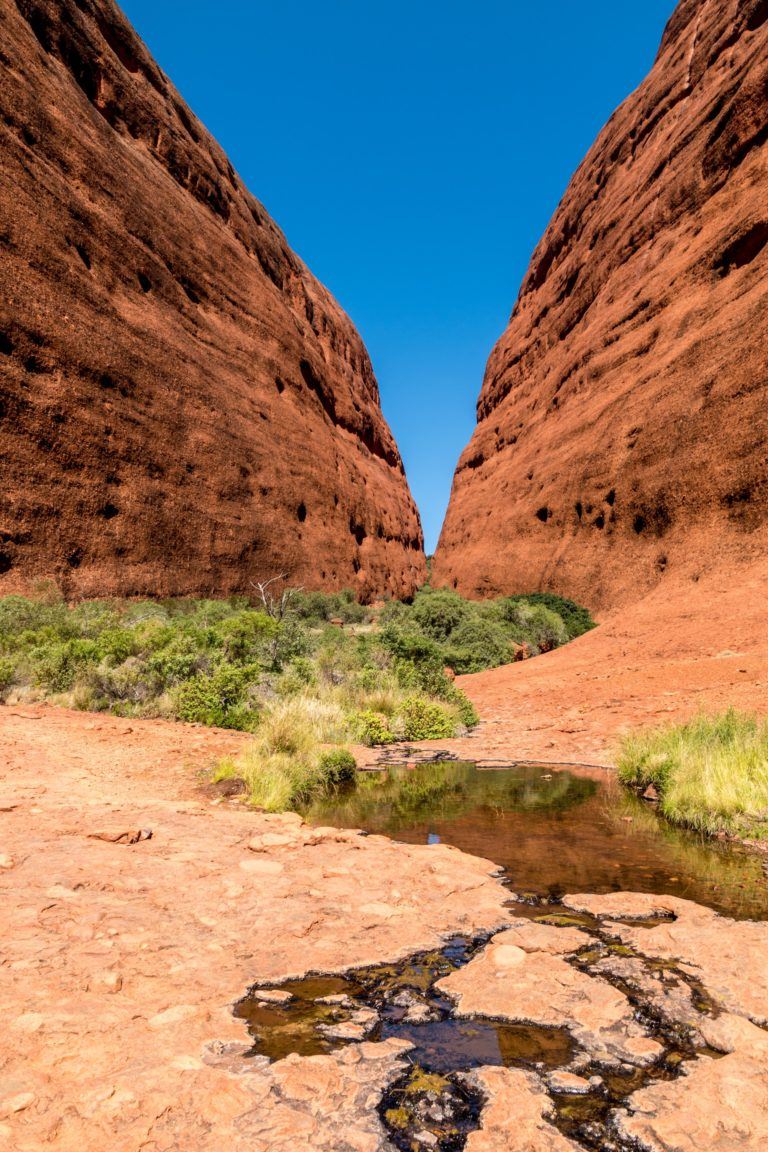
622, 422
183, 407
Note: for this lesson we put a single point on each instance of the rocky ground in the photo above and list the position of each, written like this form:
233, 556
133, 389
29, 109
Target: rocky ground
122, 961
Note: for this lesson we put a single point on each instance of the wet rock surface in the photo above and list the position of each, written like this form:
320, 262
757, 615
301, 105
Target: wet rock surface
123, 963
728, 956
517, 1116
531, 980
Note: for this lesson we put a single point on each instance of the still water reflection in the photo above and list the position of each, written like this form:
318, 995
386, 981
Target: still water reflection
552, 830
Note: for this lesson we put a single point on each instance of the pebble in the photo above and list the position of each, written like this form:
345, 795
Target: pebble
271, 996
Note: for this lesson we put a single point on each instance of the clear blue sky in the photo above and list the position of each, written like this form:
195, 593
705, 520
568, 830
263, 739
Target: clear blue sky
413, 152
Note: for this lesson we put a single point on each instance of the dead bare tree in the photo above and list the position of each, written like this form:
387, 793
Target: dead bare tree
275, 606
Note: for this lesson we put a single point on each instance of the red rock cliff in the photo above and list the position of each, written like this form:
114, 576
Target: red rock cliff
183, 407
623, 421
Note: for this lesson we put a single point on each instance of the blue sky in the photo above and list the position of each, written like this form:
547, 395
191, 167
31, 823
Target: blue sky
413, 153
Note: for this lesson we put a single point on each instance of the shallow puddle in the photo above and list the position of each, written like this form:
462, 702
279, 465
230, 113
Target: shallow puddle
400, 1001
553, 831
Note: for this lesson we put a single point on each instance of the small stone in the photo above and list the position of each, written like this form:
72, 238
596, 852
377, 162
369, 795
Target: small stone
108, 981
6, 862
122, 836
344, 1030
270, 840
508, 956
569, 1083
651, 794
12, 1104
271, 996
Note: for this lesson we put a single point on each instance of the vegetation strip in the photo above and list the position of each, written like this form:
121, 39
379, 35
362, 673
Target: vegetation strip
710, 774
306, 672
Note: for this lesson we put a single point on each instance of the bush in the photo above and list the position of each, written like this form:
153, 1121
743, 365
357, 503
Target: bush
180, 659
56, 665
320, 607
577, 620
465, 709
218, 699
478, 644
338, 766
438, 614
115, 645
421, 719
131, 682
250, 638
7, 675
372, 728
534, 624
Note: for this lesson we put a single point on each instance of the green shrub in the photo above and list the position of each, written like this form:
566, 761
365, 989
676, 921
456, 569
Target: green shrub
115, 645
7, 675
372, 728
320, 607
438, 614
534, 624
249, 638
465, 709
577, 620
477, 644
411, 646
421, 719
338, 766
300, 674
18, 615
131, 682
55, 666
180, 659
218, 698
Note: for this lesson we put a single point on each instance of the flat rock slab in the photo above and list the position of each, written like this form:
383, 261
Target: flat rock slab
728, 956
323, 1102
517, 1114
122, 966
521, 977
719, 1106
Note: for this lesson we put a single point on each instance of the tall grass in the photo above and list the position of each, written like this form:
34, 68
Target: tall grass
286, 763
711, 773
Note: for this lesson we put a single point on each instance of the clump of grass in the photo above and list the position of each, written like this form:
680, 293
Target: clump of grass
286, 764
711, 773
